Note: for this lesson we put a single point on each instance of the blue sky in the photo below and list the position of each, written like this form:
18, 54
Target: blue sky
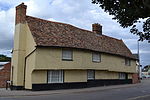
81, 13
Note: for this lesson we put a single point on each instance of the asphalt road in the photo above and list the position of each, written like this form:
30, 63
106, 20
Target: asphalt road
138, 92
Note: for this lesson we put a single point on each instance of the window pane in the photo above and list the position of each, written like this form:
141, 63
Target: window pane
67, 54
55, 76
122, 76
127, 62
91, 74
96, 57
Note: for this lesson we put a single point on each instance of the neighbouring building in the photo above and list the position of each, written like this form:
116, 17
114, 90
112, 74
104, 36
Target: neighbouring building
146, 71
5, 70
136, 77
53, 55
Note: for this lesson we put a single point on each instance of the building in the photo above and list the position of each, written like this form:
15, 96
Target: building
146, 72
137, 76
4, 74
52, 55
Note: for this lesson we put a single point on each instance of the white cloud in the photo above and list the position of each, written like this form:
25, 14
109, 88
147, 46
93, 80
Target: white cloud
80, 13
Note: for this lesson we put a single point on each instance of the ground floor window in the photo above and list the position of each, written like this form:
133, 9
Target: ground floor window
90, 74
122, 76
55, 76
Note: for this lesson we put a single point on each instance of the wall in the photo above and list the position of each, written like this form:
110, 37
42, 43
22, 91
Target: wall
18, 55
106, 75
81, 60
5, 75
75, 76
24, 45
39, 76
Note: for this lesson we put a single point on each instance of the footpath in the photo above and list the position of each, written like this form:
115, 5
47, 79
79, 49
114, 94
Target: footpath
17, 93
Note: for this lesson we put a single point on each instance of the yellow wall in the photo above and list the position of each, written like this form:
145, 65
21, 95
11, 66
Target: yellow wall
75, 76
23, 45
106, 75
81, 60
39, 76
30, 64
18, 56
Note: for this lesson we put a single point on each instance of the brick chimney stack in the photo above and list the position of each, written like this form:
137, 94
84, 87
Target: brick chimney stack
21, 13
97, 28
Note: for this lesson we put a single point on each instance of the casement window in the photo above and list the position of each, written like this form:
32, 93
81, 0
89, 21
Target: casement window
96, 57
127, 62
67, 54
90, 74
122, 75
55, 76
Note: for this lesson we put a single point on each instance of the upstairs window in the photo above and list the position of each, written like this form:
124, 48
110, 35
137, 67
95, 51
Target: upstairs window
127, 62
96, 57
67, 55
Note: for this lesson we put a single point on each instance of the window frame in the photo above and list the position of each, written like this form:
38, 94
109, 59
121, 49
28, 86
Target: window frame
62, 76
123, 76
64, 59
127, 62
93, 57
93, 75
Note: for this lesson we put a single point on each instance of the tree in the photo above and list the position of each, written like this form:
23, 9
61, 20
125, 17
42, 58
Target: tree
128, 13
4, 58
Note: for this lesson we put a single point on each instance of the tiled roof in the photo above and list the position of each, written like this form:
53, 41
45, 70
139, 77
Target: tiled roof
48, 33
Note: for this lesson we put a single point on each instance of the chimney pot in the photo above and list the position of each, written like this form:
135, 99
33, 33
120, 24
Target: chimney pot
97, 28
21, 13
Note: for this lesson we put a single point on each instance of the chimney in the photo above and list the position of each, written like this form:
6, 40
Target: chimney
21, 13
97, 28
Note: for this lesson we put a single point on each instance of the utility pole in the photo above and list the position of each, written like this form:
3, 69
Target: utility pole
139, 66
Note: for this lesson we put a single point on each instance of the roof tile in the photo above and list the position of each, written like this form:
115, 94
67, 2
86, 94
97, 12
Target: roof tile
48, 33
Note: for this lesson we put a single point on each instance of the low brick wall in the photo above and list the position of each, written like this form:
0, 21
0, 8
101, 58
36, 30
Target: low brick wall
5, 75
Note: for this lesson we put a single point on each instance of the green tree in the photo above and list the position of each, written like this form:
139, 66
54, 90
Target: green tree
128, 13
4, 58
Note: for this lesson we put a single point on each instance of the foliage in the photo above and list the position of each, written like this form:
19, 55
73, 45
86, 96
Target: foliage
4, 58
128, 13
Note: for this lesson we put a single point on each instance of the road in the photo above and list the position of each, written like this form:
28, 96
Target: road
138, 92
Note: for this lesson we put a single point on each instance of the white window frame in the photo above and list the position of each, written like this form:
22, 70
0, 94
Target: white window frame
67, 54
55, 76
127, 62
122, 75
96, 57
90, 74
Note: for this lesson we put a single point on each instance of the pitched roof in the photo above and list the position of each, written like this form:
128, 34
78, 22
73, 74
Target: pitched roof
48, 33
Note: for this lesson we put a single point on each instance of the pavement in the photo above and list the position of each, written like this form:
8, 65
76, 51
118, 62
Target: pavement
19, 93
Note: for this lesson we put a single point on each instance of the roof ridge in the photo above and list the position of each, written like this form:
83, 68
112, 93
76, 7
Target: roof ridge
72, 26
60, 23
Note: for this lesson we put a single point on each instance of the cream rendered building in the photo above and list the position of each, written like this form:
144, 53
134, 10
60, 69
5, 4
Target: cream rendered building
52, 55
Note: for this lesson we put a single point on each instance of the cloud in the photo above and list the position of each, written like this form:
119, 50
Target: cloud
81, 13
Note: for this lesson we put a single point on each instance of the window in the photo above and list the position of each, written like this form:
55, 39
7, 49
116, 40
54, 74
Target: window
67, 54
96, 57
90, 74
122, 75
55, 76
127, 62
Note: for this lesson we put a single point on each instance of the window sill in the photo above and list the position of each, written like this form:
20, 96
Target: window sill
96, 61
67, 59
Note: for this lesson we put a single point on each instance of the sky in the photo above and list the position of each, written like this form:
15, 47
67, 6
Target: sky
80, 13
